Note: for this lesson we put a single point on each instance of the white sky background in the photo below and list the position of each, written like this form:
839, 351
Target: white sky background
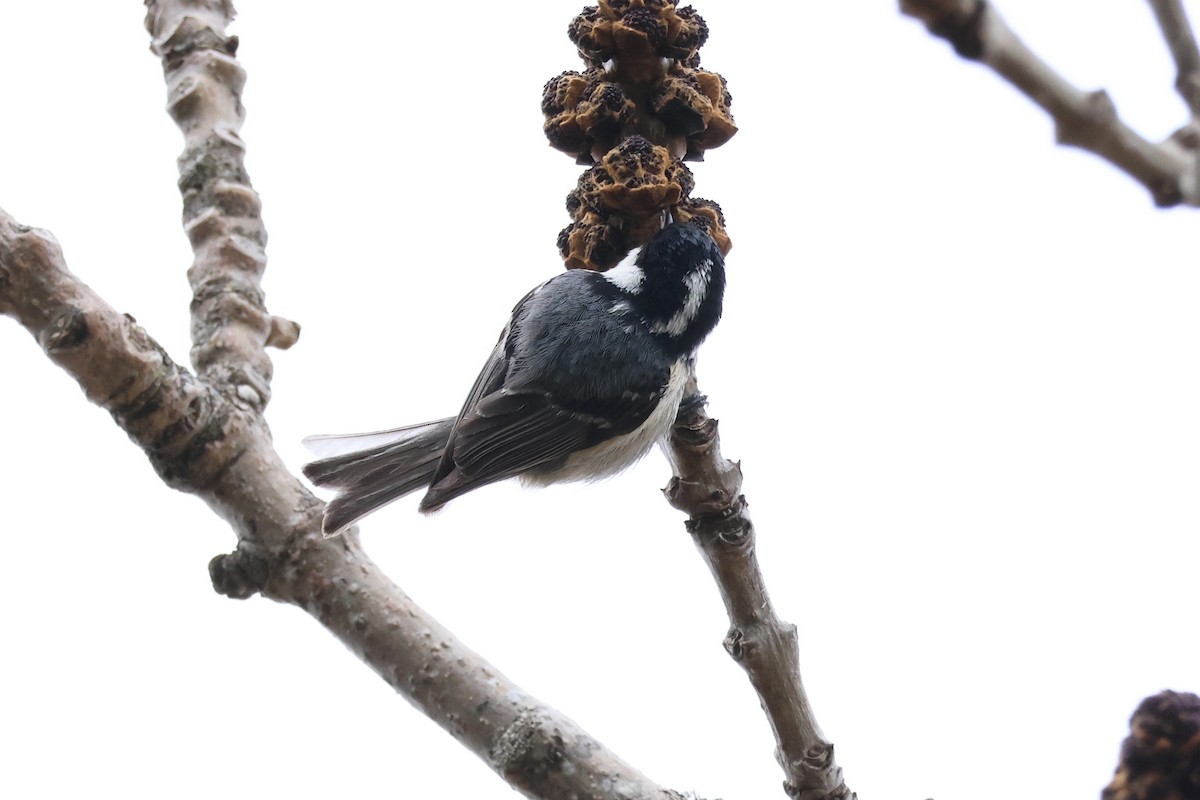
958, 363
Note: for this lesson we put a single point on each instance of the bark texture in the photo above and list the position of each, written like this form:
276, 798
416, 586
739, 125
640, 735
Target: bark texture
707, 487
221, 211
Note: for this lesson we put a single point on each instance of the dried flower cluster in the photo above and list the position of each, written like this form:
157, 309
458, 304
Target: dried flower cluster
618, 203
640, 107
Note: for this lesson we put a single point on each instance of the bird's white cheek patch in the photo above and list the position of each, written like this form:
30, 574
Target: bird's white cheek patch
696, 284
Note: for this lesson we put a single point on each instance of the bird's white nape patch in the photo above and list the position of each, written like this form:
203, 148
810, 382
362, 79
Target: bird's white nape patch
696, 283
627, 275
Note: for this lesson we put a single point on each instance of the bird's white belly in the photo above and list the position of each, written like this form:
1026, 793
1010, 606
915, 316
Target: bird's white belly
610, 457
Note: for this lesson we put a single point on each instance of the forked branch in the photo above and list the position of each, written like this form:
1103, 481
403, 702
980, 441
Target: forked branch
203, 443
1083, 119
1177, 31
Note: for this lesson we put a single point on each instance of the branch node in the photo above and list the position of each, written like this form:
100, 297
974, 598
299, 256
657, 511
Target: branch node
729, 527
1187, 137
283, 334
205, 225
705, 485
1095, 119
821, 776
249, 395
1166, 192
963, 30
734, 644
236, 199
67, 330
240, 574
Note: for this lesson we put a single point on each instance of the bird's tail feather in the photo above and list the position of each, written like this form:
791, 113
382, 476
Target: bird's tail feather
370, 470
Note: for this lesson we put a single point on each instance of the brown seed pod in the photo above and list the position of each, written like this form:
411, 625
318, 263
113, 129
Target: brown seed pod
591, 33
707, 215
649, 26
563, 133
681, 104
640, 36
560, 96
637, 178
635, 35
615, 9
648, 50
563, 92
592, 244
719, 128
689, 34
584, 112
603, 111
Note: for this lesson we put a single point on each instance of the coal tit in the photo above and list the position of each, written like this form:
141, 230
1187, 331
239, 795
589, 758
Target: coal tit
587, 376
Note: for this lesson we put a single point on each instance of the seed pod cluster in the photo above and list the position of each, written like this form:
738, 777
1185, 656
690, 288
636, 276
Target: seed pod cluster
618, 204
639, 48
640, 107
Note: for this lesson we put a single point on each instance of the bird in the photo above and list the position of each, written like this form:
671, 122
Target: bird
587, 376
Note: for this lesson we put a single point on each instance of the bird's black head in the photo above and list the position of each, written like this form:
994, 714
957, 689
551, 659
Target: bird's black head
676, 283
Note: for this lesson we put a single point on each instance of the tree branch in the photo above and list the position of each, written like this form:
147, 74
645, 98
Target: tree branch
708, 488
1083, 119
201, 442
221, 211
1173, 20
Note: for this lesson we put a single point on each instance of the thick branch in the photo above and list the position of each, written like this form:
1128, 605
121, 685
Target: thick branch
1177, 30
708, 488
1083, 119
221, 212
200, 442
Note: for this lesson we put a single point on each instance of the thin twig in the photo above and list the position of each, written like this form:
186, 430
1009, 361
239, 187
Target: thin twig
201, 442
1177, 30
708, 488
1083, 119
221, 211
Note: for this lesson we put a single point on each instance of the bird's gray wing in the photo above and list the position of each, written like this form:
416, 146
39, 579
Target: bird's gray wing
508, 433
557, 382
